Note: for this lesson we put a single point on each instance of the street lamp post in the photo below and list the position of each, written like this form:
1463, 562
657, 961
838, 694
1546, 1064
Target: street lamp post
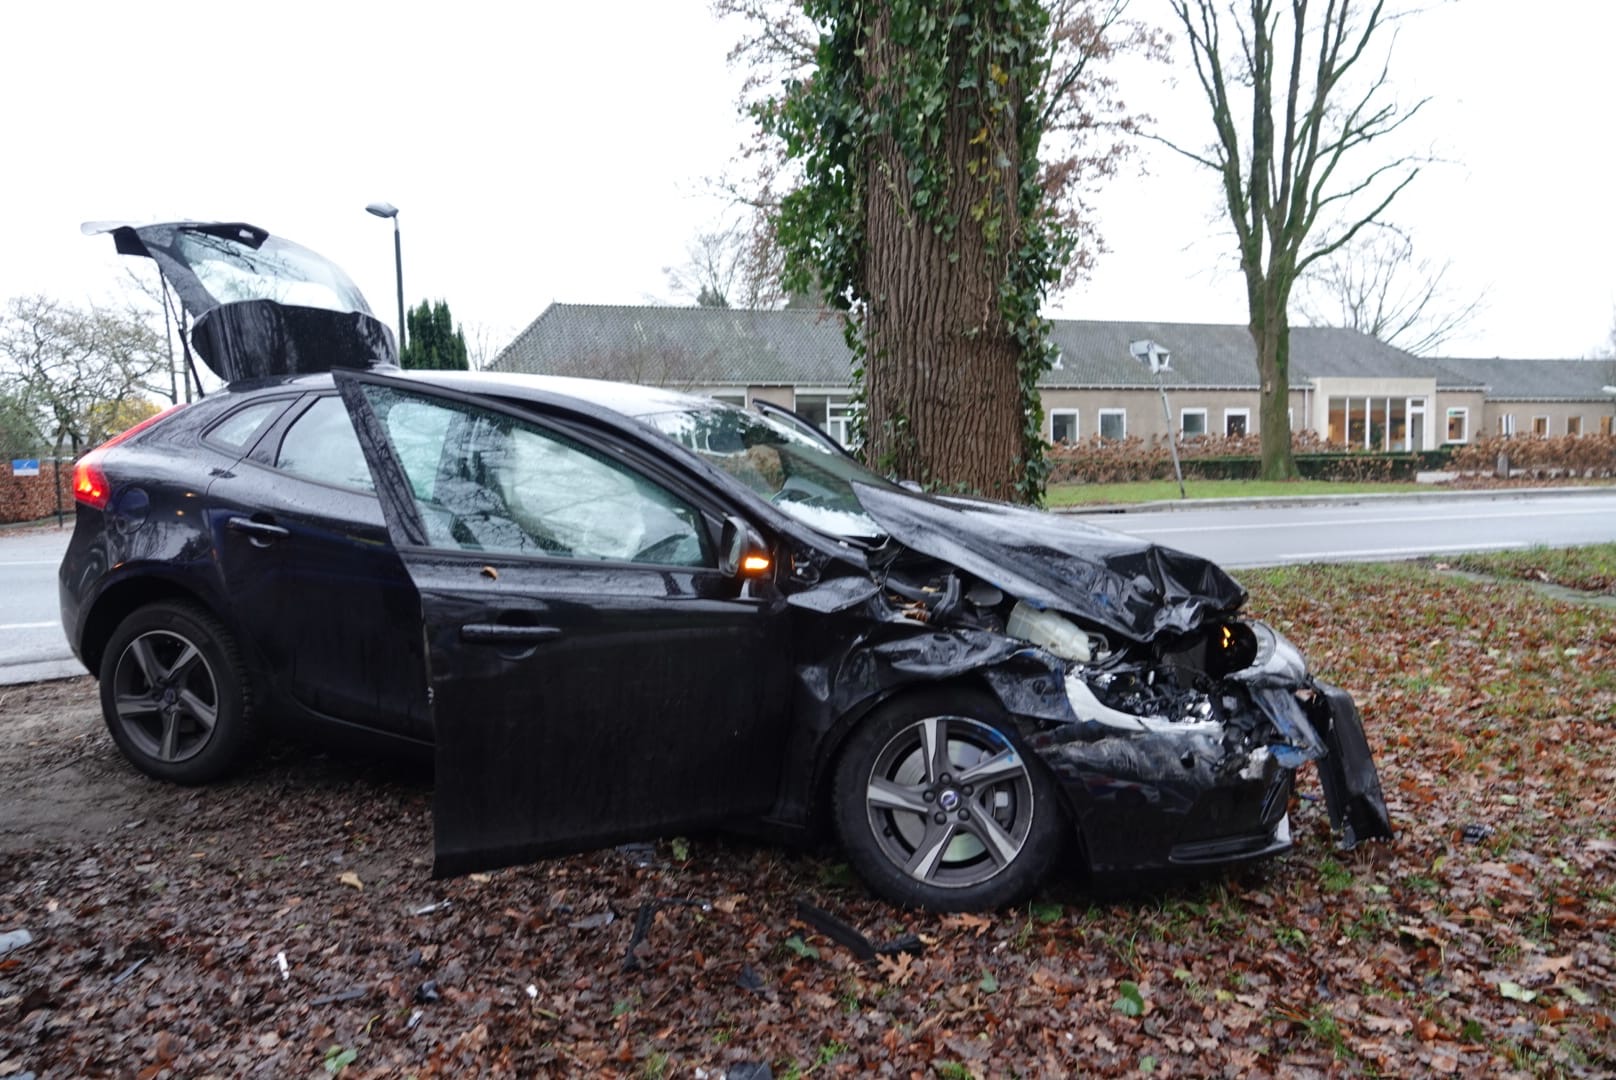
388, 210
1158, 360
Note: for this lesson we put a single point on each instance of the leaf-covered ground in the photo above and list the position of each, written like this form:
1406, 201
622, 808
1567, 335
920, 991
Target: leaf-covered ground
1483, 941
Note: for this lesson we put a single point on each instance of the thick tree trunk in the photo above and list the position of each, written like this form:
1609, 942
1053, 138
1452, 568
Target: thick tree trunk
1271, 333
941, 369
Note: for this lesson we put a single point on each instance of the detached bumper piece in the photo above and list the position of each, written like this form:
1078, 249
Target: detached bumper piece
1351, 784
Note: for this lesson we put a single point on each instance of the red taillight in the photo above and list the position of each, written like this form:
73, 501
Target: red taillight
90, 485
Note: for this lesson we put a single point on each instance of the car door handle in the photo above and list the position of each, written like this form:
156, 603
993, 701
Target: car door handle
502, 634
261, 533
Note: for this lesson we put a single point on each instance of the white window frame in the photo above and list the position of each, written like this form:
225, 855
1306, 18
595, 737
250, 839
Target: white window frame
729, 397
1578, 419
1545, 423
1506, 424
1242, 411
839, 409
1463, 413
1077, 427
1183, 428
1100, 429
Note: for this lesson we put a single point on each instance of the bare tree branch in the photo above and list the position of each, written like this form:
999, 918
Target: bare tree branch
1377, 286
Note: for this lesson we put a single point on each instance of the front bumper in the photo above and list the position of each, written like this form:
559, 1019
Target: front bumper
1158, 795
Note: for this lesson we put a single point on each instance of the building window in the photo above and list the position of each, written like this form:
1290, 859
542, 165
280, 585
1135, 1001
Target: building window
829, 411
1540, 425
1113, 424
730, 397
1458, 425
1236, 422
1506, 424
1605, 423
1192, 423
1060, 361
1063, 425
1573, 425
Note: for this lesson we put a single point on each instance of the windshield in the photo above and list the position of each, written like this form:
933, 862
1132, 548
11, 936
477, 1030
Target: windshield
807, 479
234, 269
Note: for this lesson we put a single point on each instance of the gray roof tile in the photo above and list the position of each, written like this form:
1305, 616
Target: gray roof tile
687, 347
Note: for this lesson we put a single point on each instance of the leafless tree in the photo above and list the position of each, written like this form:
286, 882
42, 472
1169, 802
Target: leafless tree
79, 369
1298, 92
737, 265
1378, 286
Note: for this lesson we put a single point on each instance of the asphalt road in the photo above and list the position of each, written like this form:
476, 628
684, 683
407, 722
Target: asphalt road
1372, 528
32, 646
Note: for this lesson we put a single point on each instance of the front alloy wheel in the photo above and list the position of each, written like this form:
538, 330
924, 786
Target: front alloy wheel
939, 808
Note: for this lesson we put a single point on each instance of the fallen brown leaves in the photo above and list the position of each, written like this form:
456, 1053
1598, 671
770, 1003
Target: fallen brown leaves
285, 924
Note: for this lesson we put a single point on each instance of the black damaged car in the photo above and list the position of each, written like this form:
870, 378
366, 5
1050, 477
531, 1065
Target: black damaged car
615, 612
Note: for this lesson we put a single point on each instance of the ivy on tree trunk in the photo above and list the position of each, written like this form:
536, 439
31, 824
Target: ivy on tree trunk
921, 215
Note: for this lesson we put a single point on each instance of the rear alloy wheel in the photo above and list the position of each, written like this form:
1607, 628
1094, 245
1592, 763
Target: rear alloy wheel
939, 807
175, 695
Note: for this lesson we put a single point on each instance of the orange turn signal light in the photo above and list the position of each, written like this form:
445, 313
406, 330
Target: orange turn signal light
755, 564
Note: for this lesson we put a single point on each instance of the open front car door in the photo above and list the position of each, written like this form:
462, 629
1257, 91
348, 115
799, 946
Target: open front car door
595, 675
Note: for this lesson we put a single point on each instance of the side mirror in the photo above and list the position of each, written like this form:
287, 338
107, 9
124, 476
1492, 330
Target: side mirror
742, 552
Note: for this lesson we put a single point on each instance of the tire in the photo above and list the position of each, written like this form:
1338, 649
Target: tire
1002, 826
175, 694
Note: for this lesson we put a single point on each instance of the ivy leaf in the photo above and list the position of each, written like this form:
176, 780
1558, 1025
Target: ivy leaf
802, 948
1132, 1002
1516, 992
989, 984
1575, 993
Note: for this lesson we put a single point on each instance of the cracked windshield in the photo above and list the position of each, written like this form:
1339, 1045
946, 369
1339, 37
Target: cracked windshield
807, 479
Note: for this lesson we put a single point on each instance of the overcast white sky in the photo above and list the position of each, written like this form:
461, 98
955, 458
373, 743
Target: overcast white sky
558, 151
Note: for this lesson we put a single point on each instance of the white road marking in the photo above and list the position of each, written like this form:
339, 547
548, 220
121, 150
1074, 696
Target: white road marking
1446, 518
1382, 553
33, 562
28, 625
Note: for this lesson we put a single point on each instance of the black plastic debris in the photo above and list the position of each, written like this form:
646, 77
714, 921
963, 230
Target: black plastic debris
642, 924
353, 993
1476, 832
749, 1070
641, 853
749, 979
850, 939
427, 992
14, 939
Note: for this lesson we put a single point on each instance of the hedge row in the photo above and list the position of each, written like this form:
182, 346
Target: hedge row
1540, 457
1094, 461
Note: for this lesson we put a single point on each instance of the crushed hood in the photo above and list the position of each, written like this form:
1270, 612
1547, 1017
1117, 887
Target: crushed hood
1128, 586
260, 306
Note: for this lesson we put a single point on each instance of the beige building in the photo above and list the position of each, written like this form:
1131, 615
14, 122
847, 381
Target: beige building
1345, 386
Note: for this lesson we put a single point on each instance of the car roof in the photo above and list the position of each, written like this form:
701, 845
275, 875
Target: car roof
627, 399
624, 399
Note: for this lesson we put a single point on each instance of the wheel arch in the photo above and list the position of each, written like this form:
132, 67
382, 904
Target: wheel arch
117, 601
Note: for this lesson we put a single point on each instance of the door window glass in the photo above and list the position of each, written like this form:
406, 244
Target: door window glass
483, 481
236, 431
320, 445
